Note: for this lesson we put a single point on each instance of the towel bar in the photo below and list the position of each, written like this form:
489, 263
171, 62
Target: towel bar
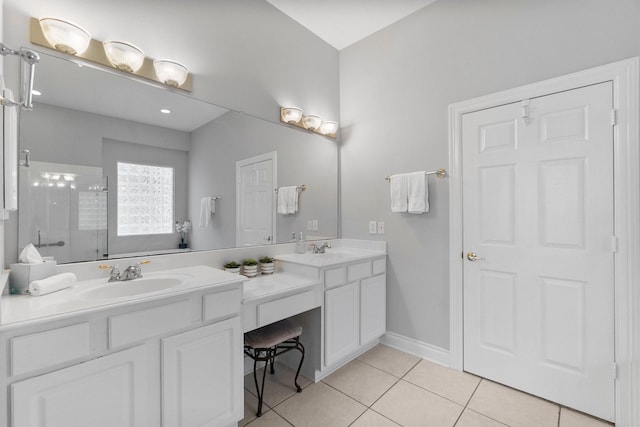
440, 173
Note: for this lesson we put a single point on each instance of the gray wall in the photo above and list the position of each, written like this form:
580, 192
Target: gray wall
395, 89
302, 158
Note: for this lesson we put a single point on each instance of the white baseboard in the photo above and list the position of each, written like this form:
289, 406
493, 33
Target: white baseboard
417, 348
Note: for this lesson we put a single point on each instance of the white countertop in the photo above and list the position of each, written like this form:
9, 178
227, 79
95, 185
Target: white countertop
74, 300
280, 284
330, 257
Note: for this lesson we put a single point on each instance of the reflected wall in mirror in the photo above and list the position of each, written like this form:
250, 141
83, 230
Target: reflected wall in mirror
89, 121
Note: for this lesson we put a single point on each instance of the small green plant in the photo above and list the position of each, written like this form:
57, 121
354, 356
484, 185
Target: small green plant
232, 264
250, 261
266, 260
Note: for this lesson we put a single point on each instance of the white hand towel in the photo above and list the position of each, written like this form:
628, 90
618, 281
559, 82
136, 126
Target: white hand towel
52, 284
398, 187
206, 208
287, 200
418, 193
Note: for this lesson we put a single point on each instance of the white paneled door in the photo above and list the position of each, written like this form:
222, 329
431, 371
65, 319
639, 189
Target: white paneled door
255, 184
539, 247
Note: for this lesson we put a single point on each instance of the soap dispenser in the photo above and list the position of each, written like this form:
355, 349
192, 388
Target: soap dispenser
300, 246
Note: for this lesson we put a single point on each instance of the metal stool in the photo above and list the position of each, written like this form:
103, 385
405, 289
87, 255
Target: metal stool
264, 344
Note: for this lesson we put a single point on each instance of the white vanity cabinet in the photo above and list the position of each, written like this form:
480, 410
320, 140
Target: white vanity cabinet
172, 361
355, 312
104, 392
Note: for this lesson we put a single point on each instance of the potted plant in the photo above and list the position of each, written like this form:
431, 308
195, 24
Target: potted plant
266, 265
183, 229
250, 267
232, 267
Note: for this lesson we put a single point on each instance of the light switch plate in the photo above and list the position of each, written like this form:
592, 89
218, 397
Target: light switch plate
309, 225
380, 227
315, 225
373, 227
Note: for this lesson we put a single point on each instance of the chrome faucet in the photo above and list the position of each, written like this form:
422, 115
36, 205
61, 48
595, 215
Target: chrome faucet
132, 272
319, 249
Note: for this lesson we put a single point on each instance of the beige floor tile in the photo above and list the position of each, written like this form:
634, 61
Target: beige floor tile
320, 406
373, 419
279, 386
360, 381
392, 361
454, 385
269, 419
410, 405
473, 419
571, 418
513, 407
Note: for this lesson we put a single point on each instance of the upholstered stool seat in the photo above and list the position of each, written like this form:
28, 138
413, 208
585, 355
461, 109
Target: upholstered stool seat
267, 342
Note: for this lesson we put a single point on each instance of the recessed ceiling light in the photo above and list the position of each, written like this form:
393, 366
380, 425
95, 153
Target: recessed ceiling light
36, 92
165, 111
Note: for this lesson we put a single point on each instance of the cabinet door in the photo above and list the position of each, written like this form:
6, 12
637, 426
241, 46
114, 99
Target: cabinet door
104, 392
373, 308
202, 376
341, 322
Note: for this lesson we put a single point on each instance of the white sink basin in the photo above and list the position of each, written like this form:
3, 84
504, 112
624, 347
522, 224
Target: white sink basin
128, 288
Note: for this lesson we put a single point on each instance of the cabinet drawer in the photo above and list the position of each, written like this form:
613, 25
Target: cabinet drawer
379, 265
358, 271
282, 308
335, 277
140, 325
221, 304
48, 348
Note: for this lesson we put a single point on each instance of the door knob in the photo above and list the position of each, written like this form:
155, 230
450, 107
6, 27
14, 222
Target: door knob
471, 256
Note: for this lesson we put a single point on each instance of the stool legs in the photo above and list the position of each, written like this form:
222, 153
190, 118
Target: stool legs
268, 356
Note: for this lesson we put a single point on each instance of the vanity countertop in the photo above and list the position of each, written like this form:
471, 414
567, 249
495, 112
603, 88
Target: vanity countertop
278, 284
330, 257
87, 296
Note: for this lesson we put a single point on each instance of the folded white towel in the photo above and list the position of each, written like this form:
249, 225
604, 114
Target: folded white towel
52, 284
207, 207
418, 193
398, 187
288, 200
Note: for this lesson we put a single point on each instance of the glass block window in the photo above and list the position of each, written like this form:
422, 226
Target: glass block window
92, 211
145, 199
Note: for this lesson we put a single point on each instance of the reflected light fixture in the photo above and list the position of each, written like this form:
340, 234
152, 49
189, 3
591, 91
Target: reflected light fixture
311, 122
124, 56
65, 36
171, 73
290, 114
295, 116
165, 111
35, 92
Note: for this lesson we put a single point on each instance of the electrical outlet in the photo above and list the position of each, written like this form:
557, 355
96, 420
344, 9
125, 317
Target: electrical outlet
372, 227
309, 225
380, 227
315, 225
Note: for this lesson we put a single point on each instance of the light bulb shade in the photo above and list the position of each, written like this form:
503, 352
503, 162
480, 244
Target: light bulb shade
124, 56
311, 122
65, 36
329, 128
290, 114
170, 72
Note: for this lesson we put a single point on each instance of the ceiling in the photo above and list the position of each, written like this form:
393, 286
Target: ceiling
344, 22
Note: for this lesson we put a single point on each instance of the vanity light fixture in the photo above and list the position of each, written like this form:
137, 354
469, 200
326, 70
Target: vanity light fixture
124, 56
171, 73
113, 54
311, 122
295, 116
290, 114
65, 36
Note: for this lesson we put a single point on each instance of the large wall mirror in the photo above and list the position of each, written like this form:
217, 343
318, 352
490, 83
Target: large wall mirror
109, 174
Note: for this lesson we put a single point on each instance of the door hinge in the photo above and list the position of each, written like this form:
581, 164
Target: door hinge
615, 371
614, 244
614, 117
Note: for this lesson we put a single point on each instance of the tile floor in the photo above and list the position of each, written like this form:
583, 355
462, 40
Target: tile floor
386, 387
